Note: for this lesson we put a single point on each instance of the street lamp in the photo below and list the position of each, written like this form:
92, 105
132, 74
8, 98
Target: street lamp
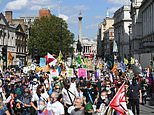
130, 27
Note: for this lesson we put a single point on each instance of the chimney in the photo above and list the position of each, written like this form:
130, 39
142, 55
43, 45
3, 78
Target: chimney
8, 16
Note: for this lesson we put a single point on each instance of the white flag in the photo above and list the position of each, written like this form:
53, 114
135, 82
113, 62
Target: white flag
115, 48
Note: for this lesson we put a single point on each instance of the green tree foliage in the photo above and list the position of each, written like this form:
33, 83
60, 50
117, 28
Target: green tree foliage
50, 34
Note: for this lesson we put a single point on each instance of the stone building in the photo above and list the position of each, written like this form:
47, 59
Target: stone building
122, 20
108, 41
14, 37
142, 14
103, 26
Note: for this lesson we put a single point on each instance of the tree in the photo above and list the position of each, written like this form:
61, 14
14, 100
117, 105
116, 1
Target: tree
50, 34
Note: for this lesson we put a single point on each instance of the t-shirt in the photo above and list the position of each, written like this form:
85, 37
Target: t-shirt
134, 91
77, 112
36, 98
57, 108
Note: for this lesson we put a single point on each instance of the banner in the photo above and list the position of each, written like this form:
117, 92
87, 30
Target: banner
42, 62
82, 72
70, 72
54, 73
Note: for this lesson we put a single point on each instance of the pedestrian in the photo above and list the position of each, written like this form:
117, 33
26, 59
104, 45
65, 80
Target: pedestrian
135, 96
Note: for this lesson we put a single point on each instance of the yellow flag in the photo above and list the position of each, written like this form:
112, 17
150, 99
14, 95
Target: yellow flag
60, 57
125, 61
132, 61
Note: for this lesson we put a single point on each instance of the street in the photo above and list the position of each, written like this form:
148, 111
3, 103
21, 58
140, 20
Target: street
146, 109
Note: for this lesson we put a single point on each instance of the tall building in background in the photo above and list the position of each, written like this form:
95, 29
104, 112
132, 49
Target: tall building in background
80, 27
44, 12
142, 14
103, 26
122, 20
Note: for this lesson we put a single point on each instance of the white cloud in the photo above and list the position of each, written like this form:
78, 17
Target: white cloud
40, 2
64, 17
121, 2
16, 5
35, 7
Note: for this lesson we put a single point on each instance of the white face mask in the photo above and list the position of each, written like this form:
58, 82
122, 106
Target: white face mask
41, 107
107, 88
103, 97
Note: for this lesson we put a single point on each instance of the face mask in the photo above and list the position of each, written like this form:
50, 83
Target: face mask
107, 88
41, 107
103, 97
57, 90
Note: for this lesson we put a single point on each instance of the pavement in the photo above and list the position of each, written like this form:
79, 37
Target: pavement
147, 109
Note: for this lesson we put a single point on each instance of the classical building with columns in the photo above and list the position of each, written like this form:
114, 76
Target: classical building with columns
142, 14
89, 47
122, 20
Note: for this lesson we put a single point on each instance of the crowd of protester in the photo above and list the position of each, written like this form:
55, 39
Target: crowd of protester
35, 94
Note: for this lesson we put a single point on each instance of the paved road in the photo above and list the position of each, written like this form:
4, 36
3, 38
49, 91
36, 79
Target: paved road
146, 110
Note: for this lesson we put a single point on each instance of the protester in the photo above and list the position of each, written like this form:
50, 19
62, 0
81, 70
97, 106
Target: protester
56, 107
79, 109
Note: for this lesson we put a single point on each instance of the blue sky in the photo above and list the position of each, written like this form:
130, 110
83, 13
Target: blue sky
93, 11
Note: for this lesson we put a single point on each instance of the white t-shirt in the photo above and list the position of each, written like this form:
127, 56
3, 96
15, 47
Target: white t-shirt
57, 108
66, 96
43, 97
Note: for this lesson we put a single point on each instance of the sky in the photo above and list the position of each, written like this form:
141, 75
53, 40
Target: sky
93, 11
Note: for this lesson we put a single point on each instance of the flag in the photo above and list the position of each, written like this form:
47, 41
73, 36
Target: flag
115, 67
60, 57
78, 59
125, 61
132, 61
49, 58
122, 66
10, 57
115, 48
119, 102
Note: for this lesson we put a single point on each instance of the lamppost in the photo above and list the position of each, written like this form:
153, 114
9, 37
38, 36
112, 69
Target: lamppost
130, 27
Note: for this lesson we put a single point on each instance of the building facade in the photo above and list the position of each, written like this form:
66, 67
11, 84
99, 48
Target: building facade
108, 41
89, 47
122, 20
103, 26
142, 14
14, 37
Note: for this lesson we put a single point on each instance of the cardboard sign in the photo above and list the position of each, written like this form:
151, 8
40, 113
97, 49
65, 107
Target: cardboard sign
70, 72
42, 62
54, 73
82, 72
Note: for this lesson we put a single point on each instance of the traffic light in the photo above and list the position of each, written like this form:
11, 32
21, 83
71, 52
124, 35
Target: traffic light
4, 53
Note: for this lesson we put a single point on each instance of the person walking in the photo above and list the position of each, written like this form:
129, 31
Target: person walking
135, 96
